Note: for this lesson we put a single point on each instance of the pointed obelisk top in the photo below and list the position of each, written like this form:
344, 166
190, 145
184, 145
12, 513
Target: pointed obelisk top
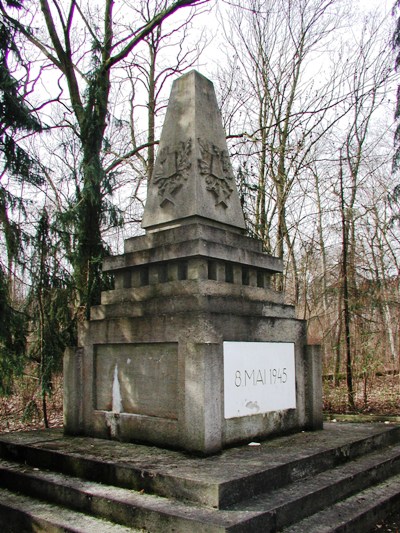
193, 178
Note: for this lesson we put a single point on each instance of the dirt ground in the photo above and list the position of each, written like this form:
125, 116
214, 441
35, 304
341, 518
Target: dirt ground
380, 395
23, 410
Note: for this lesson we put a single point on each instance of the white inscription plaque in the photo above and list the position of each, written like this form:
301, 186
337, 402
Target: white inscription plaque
259, 377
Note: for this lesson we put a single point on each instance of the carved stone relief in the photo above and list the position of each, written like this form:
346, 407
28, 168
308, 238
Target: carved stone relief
173, 166
172, 170
215, 167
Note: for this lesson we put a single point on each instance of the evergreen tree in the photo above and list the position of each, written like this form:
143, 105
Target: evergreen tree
15, 114
15, 117
12, 338
52, 318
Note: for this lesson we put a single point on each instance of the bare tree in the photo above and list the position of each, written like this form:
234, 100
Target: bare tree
85, 47
284, 111
346, 170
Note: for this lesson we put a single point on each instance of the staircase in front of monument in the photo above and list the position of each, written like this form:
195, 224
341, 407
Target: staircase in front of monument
344, 478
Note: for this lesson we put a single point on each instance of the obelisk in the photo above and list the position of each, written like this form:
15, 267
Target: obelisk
193, 176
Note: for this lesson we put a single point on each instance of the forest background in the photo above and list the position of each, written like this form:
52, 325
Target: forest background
307, 92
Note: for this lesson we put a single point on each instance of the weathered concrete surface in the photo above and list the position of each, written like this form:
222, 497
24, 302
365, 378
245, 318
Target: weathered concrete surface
192, 417
22, 514
150, 364
218, 481
313, 396
358, 514
344, 478
193, 176
72, 403
195, 306
195, 239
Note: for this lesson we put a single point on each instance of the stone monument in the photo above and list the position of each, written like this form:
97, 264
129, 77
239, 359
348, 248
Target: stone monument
193, 348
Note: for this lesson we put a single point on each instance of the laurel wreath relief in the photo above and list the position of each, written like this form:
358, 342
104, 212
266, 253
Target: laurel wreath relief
173, 168
214, 165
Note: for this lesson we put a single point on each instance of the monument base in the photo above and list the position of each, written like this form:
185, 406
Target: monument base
158, 360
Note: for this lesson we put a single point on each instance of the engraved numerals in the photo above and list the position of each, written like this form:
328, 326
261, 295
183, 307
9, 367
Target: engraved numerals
260, 377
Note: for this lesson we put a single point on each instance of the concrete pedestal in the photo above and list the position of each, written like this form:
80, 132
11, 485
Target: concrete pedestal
151, 361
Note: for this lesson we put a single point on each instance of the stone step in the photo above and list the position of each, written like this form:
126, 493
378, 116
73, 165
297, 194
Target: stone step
357, 514
23, 514
307, 496
217, 481
114, 504
268, 512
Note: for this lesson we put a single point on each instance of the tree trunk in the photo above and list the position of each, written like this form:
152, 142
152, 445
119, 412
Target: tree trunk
151, 113
345, 284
